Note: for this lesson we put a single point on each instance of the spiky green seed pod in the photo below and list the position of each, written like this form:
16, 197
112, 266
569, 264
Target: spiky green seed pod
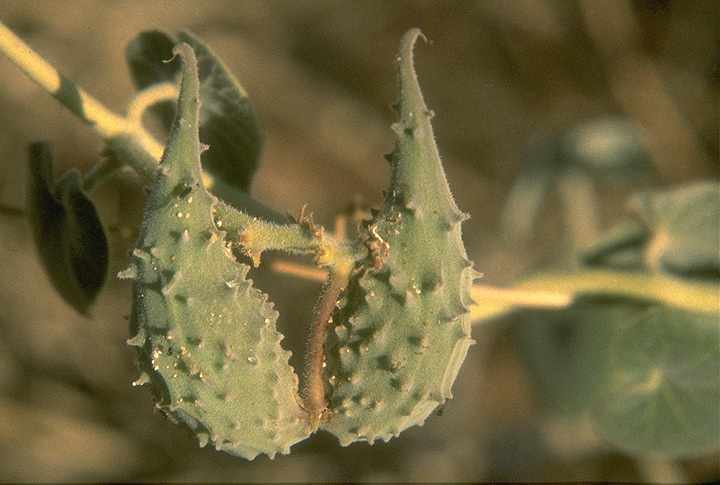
402, 328
206, 338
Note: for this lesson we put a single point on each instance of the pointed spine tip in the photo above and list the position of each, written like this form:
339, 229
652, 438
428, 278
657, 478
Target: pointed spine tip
138, 340
130, 273
142, 380
141, 254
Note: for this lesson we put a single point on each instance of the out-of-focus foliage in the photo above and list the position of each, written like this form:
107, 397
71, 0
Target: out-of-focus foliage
661, 393
638, 362
506, 75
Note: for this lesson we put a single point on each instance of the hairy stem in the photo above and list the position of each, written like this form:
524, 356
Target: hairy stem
255, 235
314, 395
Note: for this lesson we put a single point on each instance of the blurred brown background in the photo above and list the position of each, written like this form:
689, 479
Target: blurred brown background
500, 75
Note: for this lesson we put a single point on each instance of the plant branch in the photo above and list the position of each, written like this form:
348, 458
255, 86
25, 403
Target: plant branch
100, 171
157, 93
314, 396
106, 123
255, 235
557, 290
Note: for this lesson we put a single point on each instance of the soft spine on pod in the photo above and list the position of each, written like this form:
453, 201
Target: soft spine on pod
206, 338
402, 330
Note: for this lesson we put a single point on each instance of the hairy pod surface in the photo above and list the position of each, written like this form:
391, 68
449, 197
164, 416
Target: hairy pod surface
206, 338
402, 329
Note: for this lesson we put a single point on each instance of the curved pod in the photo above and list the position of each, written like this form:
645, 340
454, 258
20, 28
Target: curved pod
402, 330
206, 338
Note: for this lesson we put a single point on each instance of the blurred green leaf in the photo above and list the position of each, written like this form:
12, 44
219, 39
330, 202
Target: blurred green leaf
67, 230
565, 351
609, 145
227, 119
678, 232
618, 247
601, 148
662, 393
685, 227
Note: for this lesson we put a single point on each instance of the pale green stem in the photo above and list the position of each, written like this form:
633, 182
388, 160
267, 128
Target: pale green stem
491, 302
152, 95
106, 123
674, 291
557, 290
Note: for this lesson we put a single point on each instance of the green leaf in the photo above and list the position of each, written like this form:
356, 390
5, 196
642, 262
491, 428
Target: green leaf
604, 147
662, 395
608, 145
67, 230
227, 119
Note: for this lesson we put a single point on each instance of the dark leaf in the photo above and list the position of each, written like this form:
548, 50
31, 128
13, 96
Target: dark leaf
227, 119
150, 59
619, 247
67, 230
